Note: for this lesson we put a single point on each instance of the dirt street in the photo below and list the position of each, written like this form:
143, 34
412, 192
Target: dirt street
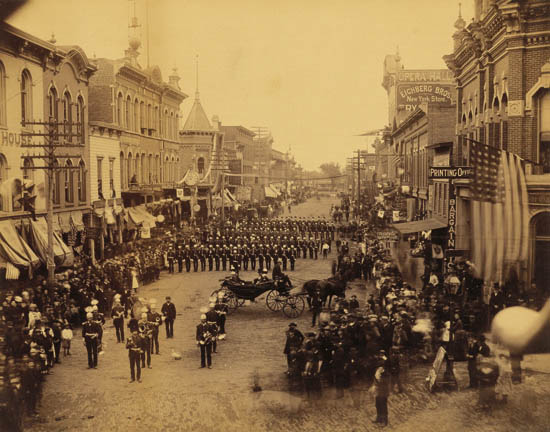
178, 396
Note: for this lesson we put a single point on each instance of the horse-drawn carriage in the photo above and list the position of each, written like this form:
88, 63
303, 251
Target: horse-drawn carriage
278, 298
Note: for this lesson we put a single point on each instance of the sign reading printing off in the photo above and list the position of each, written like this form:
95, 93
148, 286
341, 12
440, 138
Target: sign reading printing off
410, 96
179, 193
436, 172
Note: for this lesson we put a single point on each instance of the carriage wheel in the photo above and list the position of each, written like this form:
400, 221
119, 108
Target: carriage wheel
232, 302
294, 306
274, 301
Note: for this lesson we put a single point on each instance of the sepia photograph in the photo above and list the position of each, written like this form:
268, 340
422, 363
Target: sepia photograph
274, 215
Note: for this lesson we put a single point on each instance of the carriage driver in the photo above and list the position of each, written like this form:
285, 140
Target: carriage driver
278, 274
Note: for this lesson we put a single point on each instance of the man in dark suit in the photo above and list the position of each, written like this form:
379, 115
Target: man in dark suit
91, 332
204, 341
169, 312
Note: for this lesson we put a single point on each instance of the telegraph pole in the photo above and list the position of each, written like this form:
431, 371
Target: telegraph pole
358, 182
53, 140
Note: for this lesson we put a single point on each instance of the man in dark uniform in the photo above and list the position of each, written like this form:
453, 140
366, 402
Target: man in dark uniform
155, 320
171, 256
221, 309
267, 258
294, 339
246, 257
134, 345
168, 310
202, 258
145, 333
292, 258
204, 341
224, 259
117, 313
283, 258
252, 256
212, 321
195, 257
217, 258
210, 257
187, 257
91, 332
260, 255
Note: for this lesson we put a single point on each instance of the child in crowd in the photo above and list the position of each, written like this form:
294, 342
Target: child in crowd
66, 337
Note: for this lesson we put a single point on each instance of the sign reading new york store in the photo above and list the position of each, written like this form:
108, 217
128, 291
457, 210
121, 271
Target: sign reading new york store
410, 96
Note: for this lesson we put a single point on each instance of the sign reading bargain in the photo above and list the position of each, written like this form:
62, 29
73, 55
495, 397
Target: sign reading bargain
410, 96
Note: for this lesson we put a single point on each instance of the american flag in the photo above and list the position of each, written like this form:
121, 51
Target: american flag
499, 212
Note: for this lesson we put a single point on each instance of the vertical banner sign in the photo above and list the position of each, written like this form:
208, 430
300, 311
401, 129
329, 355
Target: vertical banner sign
451, 241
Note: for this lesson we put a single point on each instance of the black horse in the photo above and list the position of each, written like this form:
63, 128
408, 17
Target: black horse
325, 289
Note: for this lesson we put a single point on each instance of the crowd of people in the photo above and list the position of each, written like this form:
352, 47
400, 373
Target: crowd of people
397, 326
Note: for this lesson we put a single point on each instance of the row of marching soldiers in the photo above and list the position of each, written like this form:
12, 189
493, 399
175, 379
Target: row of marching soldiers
211, 328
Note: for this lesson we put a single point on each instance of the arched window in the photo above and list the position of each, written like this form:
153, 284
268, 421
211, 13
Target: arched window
149, 118
200, 165
165, 125
55, 178
156, 124
150, 166
2, 95
128, 118
80, 120
26, 96
172, 125
67, 115
137, 170
28, 172
81, 181
143, 117
157, 169
16, 195
3, 178
130, 171
143, 168
120, 110
136, 116
52, 103
123, 174
69, 184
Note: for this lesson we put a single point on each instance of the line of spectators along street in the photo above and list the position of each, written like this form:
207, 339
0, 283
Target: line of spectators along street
380, 340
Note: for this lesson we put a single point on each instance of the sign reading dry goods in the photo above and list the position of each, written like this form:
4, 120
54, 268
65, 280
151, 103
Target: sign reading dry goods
409, 96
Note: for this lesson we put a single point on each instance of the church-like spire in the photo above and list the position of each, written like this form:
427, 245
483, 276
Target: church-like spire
197, 119
460, 23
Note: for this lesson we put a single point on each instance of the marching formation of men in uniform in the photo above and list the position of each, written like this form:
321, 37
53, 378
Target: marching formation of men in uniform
251, 245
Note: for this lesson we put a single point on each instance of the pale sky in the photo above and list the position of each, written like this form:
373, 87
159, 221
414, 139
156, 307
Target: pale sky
309, 70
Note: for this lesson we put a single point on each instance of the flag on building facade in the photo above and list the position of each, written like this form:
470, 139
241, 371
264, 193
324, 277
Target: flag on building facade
499, 211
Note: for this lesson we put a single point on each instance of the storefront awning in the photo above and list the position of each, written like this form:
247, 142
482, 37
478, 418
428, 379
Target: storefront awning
62, 253
109, 218
270, 193
65, 222
421, 225
76, 220
14, 249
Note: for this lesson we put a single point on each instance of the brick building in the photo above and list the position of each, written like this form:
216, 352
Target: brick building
135, 106
39, 80
501, 62
239, 152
